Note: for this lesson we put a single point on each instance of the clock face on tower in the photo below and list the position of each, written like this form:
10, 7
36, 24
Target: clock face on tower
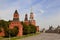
16, 15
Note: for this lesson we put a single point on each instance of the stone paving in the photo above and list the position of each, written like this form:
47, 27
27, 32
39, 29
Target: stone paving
43, 36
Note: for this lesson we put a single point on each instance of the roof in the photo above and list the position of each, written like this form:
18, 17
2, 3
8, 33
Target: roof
16, 12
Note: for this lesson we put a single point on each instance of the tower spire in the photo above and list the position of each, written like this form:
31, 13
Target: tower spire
26, 21
16, 16
26, 17
31, 8
31, 14
16, 12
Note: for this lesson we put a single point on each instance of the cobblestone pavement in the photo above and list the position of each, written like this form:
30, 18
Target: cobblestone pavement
43, 36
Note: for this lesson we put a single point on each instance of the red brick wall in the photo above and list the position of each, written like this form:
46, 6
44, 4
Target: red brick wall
19, 25
2, 33
26, 22
33, 22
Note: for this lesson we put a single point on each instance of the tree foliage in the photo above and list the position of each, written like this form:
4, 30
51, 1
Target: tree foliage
28, 29
13, 32
33, 28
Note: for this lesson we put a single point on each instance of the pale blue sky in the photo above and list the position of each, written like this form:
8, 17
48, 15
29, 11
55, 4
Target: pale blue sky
47, 12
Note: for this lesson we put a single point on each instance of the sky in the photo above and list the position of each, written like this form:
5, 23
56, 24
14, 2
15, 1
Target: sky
46, 12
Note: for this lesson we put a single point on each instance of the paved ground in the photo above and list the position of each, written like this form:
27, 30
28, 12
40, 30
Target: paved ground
43, 36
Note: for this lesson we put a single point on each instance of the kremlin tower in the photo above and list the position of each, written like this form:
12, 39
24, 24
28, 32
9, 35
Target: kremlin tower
26, 21
16, 23
32, 21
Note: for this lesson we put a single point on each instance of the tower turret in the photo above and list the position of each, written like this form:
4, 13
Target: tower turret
26, 17
32, 21
31, 16
16, 23
26, 20
16, 16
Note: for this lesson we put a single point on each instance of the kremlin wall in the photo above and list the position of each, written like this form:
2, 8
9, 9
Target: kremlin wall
16, 22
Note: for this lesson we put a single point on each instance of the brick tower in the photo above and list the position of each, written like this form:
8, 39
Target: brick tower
26, 20
32, 21
16, 23
16, 16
